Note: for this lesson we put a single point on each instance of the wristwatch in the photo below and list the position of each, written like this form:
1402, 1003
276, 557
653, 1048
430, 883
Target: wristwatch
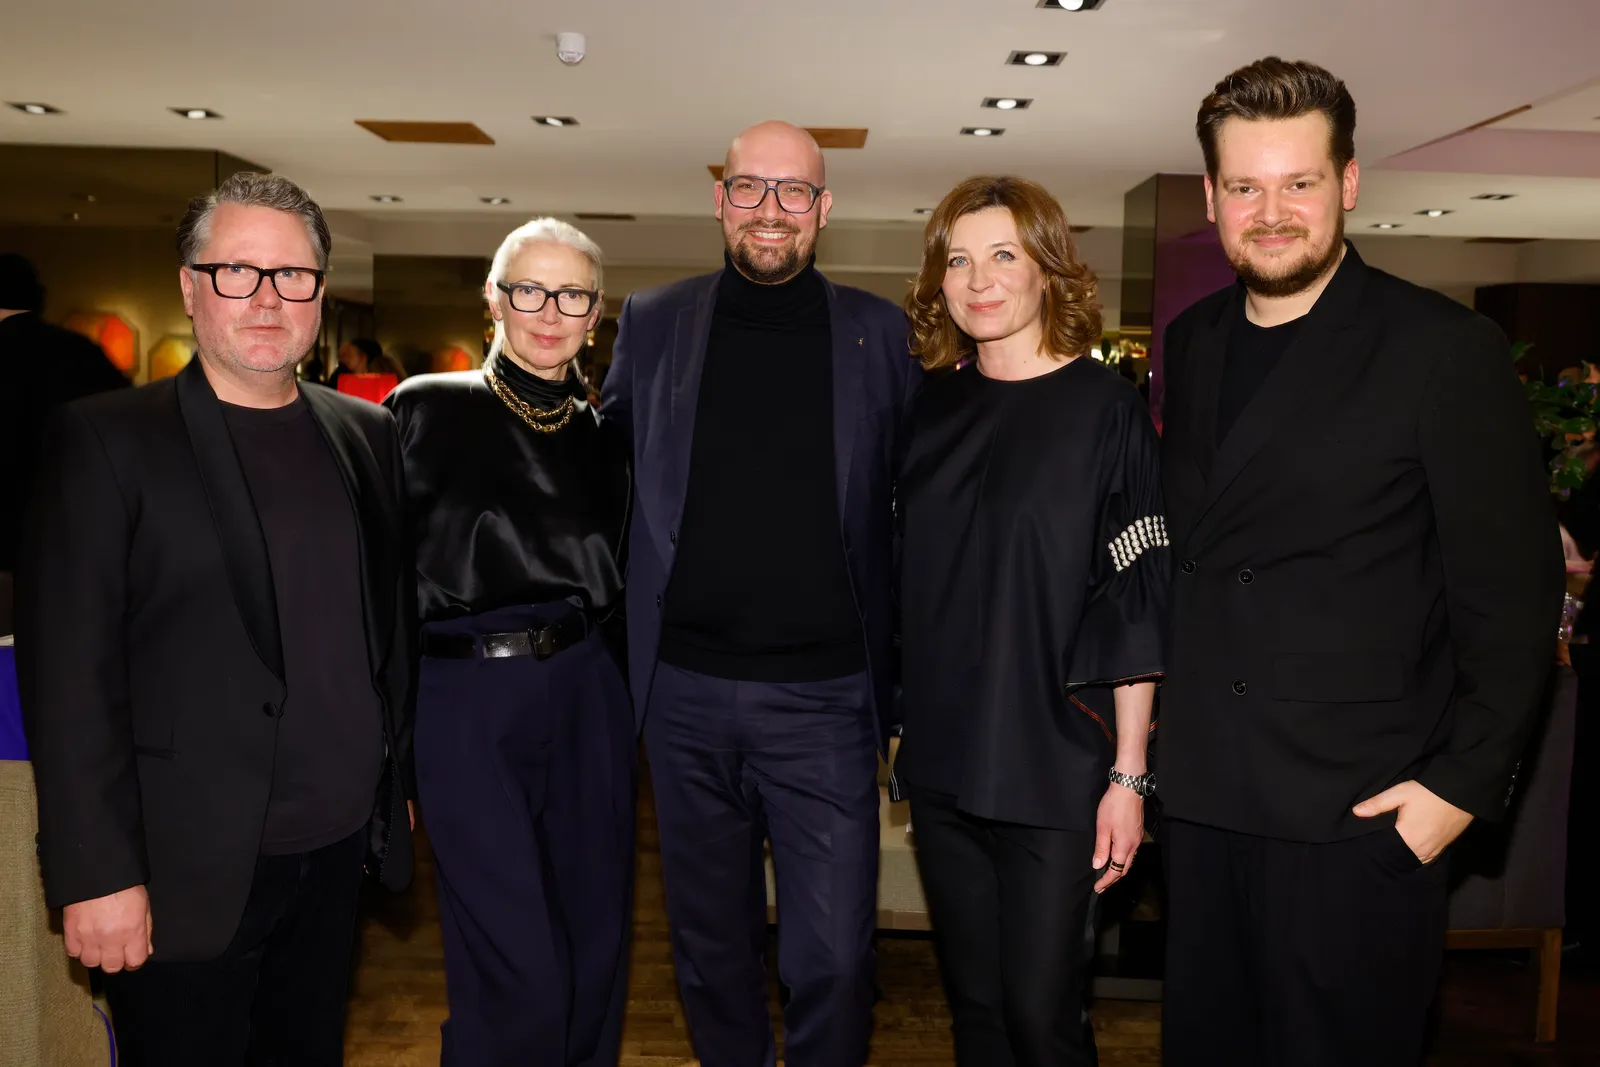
1143, 784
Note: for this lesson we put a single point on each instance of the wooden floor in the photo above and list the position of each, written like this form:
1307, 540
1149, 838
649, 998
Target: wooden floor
1485, 1012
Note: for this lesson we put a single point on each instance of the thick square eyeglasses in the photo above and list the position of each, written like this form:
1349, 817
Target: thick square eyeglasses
747, 191
239, 281
528, 297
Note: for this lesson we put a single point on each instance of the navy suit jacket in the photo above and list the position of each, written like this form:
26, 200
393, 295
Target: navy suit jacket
652, 392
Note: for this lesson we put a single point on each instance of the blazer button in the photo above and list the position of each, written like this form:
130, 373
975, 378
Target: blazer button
658, 600
1188, 566
1239, 688
270, 710
1245, 577
672, 536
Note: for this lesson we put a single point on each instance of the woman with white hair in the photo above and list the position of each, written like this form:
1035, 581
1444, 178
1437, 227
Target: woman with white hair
518, 498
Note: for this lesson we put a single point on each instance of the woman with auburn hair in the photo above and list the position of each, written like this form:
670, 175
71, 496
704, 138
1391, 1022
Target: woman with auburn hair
1034, 574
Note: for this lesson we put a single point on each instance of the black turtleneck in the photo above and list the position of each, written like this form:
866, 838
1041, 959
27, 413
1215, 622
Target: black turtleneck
759, 588
542, 393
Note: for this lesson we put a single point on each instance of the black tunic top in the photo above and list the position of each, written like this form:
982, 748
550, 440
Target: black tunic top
1033, 575
500, 514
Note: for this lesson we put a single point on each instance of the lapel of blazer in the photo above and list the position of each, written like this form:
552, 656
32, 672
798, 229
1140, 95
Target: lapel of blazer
1293, 383
691, 334
233, 512
369, 506
849, 366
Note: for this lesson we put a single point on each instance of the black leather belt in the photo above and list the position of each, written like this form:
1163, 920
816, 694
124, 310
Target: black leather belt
540, 644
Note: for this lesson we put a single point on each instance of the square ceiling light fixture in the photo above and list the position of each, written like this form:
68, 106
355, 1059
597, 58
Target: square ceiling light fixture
1071, 5
1035, 58
34, 108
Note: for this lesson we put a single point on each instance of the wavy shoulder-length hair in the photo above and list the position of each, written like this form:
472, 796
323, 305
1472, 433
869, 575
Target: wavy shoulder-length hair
1071, 308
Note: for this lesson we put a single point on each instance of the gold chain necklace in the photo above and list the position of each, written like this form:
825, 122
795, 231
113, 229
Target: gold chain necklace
538, 419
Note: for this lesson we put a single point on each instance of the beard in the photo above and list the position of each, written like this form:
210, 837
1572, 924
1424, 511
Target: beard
768, 266
1291, 278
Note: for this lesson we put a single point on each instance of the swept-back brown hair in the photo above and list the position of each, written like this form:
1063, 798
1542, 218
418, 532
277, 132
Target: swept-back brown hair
1071, 308
1274, 88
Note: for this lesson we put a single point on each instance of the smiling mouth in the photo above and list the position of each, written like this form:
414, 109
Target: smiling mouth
985, 307
771, 235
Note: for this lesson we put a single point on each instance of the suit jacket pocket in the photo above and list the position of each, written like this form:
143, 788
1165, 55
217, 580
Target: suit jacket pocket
1338, 678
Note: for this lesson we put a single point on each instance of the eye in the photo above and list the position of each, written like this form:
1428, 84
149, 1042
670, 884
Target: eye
1302, 186
957, 261
288, 274
236, 270
1004, 256
525, 290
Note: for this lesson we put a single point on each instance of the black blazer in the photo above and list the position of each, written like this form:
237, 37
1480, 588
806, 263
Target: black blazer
1368, 576
149, 656
651, 394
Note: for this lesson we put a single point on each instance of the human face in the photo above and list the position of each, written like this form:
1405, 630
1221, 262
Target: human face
352, 358
263, 334
1279, 202
769, 245
545, 341
992, 288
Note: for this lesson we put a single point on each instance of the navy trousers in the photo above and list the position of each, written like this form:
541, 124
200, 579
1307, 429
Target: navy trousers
734, 763
525, 770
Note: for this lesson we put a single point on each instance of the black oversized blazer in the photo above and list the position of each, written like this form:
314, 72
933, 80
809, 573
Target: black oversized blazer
150, 660
1367, 573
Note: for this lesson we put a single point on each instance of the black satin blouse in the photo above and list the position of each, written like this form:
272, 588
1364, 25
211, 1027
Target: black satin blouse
502, 515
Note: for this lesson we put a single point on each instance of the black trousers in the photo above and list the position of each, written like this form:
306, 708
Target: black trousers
525, 772
1288, 954
275, 997
1011, 908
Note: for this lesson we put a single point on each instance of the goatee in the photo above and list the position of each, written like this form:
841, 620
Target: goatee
1298, 278
766, 266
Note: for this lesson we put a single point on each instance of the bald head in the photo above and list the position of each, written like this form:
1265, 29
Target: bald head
776, 149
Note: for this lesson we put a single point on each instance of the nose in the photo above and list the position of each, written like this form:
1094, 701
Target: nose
1274, 208
978, 278
266, 295
550, 314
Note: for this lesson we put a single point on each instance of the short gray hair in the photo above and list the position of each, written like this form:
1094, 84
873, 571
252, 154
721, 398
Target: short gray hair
534, 231
249, 189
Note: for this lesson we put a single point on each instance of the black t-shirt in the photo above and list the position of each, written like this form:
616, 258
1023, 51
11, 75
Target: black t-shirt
1252, 353
330, 735
760, 590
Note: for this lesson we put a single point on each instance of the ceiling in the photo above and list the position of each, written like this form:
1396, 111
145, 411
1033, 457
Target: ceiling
665, 85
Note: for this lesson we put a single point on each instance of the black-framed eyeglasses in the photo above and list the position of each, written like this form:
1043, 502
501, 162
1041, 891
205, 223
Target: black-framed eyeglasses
526, 296
239, 281
746, 191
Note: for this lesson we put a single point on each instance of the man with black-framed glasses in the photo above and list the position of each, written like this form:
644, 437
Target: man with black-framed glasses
765, 404
213, 651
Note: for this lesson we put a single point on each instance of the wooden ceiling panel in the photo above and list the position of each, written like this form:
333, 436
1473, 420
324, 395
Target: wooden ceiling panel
426, 132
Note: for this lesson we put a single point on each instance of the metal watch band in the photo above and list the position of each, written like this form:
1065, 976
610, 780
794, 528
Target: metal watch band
1143, 784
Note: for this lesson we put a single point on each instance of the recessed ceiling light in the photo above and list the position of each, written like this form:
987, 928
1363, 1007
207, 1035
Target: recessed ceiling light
923, 211
1495, 196
36, 109
555, 120
1007, 103
495, 200
1036, 59
1386, 225
1070, 5
384, 198
1434, 212
981, 131
194, 112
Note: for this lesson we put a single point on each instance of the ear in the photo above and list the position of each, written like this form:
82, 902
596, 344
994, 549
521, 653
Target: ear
491, 296
599, 309
718, 192
824, 205
1350, 185
1211, 201
186, 283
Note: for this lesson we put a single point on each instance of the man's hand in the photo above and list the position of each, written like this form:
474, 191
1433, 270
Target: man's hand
1119, 828
1427, 823
111, 932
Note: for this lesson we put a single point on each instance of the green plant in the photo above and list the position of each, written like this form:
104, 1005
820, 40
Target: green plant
1565, 414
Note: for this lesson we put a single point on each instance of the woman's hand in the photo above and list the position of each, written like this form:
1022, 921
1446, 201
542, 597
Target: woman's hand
1119, 828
